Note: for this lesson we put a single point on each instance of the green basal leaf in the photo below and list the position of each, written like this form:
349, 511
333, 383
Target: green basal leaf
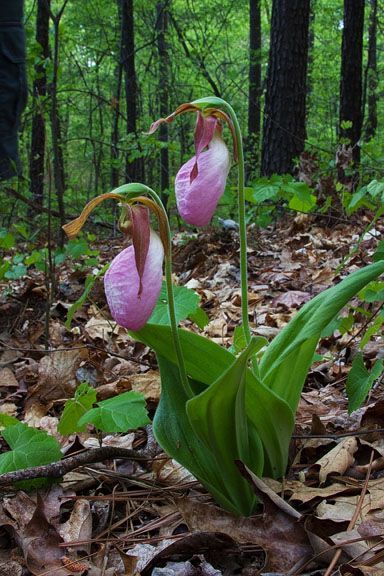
6, 420
239, 340
7, 239
218, 418
372, 330
206, 361
200, 318
286, 361
29, 447
360, 381
119, 414
302, 202
262, 192
75, 408
175, 435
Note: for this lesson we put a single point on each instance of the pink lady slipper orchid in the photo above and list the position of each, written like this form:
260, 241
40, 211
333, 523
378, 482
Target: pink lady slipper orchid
133, 281
200, 182
131, 299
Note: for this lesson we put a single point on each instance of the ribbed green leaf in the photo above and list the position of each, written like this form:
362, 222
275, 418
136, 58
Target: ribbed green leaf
175, 435
29, 447
118, 414
287, 359
360, 381
206, 361
217, 416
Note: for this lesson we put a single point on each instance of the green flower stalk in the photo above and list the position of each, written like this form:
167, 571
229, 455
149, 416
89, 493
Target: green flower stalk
201, 181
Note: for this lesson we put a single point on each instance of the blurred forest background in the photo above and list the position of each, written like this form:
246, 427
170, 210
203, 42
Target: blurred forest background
304, 77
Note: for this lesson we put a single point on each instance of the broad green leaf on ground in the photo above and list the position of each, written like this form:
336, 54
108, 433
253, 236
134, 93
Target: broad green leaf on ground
6, 420
372, 330
175, 435
119, 414
302, 200
75, 408
186, 305
360, 381
199, 317
29, 447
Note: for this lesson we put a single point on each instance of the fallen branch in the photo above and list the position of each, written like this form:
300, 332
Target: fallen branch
58, 469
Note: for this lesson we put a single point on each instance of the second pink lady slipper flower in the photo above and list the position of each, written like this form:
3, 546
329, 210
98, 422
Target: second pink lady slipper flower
200, 182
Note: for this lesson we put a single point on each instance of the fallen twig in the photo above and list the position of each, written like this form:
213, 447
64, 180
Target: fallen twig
58, 469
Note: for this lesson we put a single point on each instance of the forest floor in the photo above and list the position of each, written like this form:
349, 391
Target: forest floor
150, 516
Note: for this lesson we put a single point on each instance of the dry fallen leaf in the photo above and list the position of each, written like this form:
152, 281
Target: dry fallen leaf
337, 460
7, 378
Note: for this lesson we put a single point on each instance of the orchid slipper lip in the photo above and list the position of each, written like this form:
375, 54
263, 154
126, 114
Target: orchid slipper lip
130, 303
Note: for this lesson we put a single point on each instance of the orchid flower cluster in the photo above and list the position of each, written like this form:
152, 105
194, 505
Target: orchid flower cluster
217, 408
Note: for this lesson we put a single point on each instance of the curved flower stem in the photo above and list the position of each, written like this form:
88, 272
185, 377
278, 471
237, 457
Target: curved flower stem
227, 108
242, 224
242, 235
165, 233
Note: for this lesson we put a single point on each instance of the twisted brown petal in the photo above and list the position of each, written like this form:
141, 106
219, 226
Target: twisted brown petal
73, 228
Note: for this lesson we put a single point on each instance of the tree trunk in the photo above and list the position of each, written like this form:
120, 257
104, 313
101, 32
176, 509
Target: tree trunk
57, 143
254, 94
285, 102
351, 76
161, 29
133, 166
115, 105
371, 81
39, 90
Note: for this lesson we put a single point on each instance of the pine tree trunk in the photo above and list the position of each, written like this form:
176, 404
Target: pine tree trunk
161, 28
285, 102
351, 76
254, 94
115, 104
57, 141
133, 166
371, 74
39, 90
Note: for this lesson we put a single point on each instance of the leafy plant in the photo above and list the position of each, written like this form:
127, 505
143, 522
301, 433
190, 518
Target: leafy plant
29, 447
268, 194
217, 408
360, 381
119, 414
370, 196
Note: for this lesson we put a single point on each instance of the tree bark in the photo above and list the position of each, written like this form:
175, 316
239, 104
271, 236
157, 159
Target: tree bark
162, 48
371, 81
115, 105
254, 94
133, 165
351, 76
285, 102
57, 142
39, 90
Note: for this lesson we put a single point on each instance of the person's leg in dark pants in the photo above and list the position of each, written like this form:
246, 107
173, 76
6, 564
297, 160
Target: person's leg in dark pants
13, 86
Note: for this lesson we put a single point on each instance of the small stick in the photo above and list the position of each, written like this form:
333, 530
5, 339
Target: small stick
58, 469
